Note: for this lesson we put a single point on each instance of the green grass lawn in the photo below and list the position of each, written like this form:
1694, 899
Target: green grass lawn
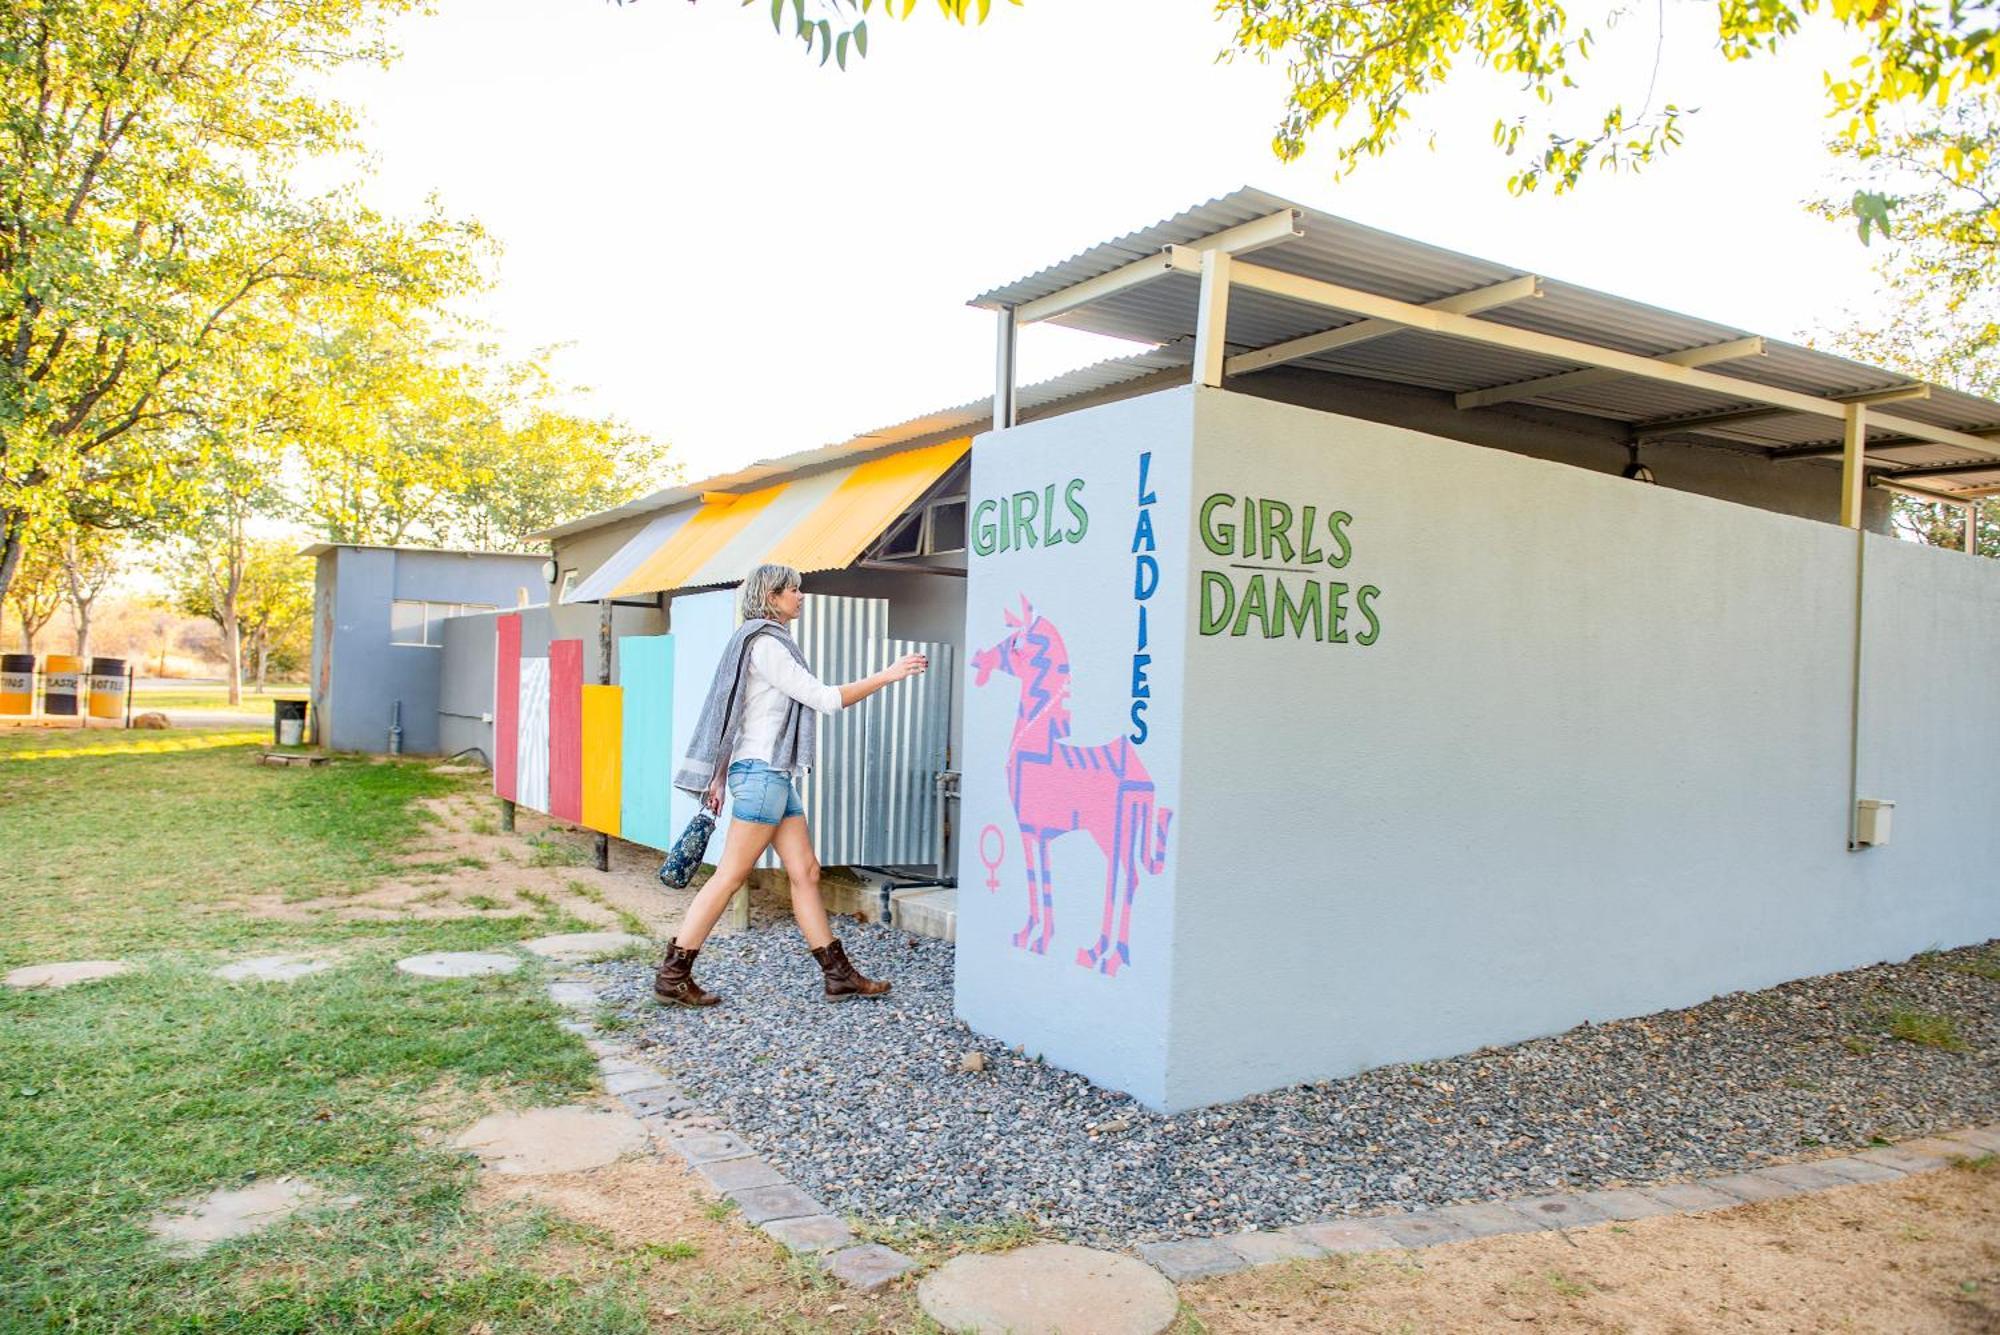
118, 1096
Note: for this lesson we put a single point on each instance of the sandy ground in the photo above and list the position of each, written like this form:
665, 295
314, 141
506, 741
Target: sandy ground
1922, 1254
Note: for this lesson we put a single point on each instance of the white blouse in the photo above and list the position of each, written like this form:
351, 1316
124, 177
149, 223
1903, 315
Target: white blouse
775, 680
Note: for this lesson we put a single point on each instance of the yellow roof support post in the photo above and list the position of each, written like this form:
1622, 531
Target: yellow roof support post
1853, 464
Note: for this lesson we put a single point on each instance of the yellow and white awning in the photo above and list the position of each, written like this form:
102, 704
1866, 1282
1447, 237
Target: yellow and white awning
821, 522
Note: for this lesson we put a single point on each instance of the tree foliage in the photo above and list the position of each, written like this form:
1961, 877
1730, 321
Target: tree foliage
36, 594
1358, 67
146, 147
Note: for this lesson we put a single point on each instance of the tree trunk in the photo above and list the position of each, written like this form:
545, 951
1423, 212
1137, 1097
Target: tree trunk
80, 618
10, 550
232, 647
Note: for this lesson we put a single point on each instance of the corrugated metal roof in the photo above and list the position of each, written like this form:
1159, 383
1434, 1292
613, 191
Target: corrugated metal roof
1338, 250
967, 419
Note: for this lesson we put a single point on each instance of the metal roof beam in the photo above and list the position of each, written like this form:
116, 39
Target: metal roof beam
1735, 348
1944, 470
1979, 435
1461, 303
1314, 292
1266, 231
1926, 494
1666, 426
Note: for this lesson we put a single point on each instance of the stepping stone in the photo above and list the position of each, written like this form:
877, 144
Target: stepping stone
1977, 1140
579, 947
272, 969
1857, 1170
707, 1146
574, 996
1804, 1176
1488, 1219
631, 1077
190, 1226
1691, 1197
814, 1233
1903, 1160
868, 1267
552, 1140
1424, 1230
1268, 1248
1558, 1211
1751, 1187
1046, 1289
1195, 1258
66, 974
1346, 1235
656, 1102
760, 1205
1624, 1203
459, 964
727, 1175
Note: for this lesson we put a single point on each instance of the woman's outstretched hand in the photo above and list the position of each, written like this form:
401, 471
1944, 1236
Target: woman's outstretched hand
909, 665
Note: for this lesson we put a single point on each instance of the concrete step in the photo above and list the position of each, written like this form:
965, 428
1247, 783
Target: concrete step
931, 911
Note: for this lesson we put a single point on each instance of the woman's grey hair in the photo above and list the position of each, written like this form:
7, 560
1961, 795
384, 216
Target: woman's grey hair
763, 584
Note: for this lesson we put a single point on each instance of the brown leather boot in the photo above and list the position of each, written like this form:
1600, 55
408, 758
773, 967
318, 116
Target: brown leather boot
673, 982
843, 980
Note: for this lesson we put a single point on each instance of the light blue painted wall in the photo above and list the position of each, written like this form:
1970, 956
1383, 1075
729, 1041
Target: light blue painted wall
1109, 1027
1595, 765
646, 749
702, 624
364, 673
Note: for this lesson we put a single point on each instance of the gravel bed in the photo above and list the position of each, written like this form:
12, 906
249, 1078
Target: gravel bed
865, 1104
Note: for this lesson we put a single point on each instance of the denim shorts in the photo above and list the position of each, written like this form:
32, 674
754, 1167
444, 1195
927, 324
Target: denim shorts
761, 794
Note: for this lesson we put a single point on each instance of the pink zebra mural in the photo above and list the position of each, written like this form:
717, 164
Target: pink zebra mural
1058, 787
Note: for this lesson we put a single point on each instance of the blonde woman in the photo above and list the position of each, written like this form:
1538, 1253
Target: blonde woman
757, 734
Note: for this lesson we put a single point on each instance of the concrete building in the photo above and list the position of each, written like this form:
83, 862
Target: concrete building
379, 616
1407, 654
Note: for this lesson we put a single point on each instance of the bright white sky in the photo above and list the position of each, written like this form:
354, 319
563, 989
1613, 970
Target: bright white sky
748, 255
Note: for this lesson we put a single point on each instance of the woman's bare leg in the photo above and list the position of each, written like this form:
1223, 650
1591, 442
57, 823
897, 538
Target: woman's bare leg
795, 850
746, 843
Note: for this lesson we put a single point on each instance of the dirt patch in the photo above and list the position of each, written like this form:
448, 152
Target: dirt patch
1922, 1254
701, 1266
462, 866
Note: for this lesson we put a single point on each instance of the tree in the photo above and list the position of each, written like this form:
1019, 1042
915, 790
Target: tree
275, 601
147, 147
90, 561
1368, 62
37, 591
1940, 266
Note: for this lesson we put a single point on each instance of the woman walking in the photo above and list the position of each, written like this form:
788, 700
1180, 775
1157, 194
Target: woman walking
757, 735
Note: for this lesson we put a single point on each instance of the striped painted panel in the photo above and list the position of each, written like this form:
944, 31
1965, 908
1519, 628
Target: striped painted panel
702, 624
566, 730
532, 778
730, 561
506, 702
648, 540
842, 640
603, 743
909, 738
646, 674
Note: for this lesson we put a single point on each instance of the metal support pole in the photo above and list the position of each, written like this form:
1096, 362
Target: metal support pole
602, 851
132, 681
1212, 320
1005, 409
1854, 696
1972, 528
1853, 464
507, 815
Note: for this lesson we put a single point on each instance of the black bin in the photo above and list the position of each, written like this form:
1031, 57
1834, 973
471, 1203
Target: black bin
292, 712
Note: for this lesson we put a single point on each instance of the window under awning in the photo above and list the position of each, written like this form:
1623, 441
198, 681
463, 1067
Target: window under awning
821, 522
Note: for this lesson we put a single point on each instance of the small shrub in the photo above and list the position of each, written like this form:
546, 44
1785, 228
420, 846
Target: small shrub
1925, 1029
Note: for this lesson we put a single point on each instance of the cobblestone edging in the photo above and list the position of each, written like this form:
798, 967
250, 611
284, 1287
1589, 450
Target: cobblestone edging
787, 1214
1206, 1258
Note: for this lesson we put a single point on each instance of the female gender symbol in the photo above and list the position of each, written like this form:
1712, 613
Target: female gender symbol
993, 862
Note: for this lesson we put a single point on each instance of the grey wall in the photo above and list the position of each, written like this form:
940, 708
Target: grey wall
358, 675
1810, 490
1595, 765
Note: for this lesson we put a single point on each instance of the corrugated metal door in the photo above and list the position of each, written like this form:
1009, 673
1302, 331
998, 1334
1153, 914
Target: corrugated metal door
841, 638
909, 735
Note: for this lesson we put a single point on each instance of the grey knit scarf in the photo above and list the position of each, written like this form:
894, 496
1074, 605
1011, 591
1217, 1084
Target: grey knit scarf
721, 721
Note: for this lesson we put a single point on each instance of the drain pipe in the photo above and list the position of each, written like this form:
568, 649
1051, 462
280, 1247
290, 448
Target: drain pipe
1854, 699
947, 877
396, 728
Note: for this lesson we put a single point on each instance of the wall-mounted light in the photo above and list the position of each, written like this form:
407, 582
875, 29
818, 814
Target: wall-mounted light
548, 572
1634, 470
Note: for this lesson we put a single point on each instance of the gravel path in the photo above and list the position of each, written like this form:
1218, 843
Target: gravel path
865, 1103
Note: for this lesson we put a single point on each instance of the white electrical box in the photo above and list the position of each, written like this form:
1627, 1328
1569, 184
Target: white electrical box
1871, 824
